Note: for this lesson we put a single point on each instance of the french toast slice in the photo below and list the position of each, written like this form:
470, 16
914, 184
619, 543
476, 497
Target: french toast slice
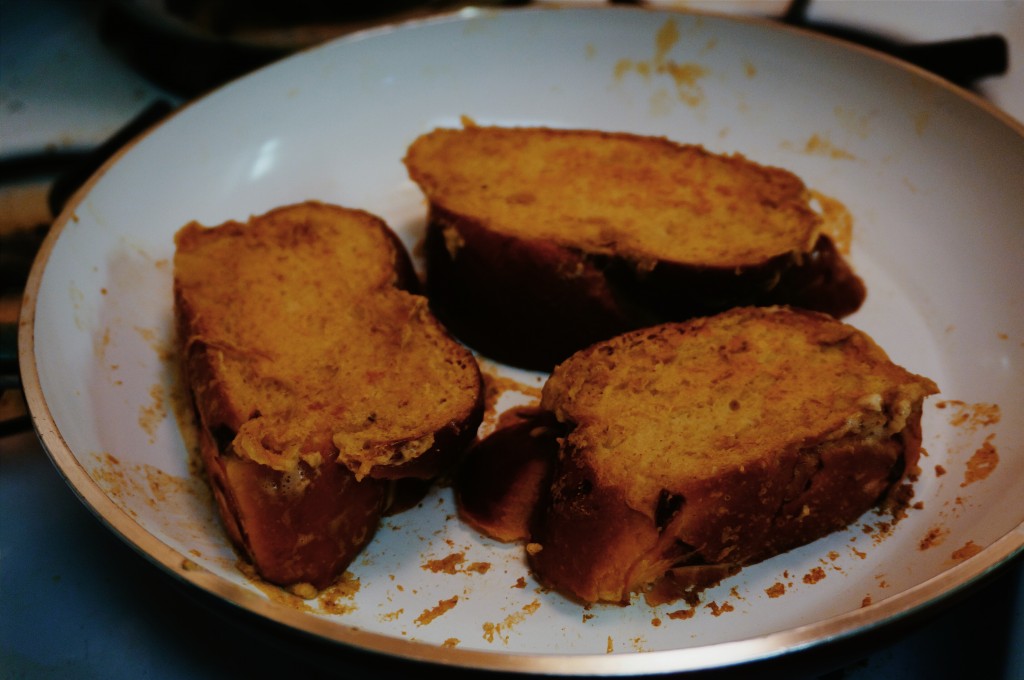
542, 241
325, 391
688, 450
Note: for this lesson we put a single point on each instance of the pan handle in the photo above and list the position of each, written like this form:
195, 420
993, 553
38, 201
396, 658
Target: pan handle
961, 61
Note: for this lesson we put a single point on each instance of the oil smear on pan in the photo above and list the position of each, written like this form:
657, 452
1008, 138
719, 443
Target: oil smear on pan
180, 507
849, 124
678, 80
136, 376
819, 144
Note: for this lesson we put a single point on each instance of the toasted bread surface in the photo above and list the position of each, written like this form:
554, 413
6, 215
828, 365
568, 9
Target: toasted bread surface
315, 374
642, 198
719, 441
683, 400
314, 347
542, 241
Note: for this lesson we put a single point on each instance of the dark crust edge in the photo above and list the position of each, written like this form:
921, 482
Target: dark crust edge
532, 304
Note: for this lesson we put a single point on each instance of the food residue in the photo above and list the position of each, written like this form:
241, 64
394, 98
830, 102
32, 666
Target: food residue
717, 609
666, 39
981, 463
392, 616
276, 594
151, 415
969, 549
339, 597
970, 416
814, 575
820, 146
683, 614
934, 537
455, 563
144, 481
638, 643
501, 630
878, 531
442, 608
685, 76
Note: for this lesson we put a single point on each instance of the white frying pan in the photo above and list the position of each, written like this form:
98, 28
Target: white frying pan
932, 177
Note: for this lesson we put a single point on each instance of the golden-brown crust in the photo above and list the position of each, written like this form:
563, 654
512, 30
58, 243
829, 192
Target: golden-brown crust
688, 450
326, 393
742, 384
531, 295
298, 527
449, 442
640, 197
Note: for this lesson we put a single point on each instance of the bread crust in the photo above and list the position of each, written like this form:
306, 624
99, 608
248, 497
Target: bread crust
298, 527
597, 547
300, 490
530, 297
503, 477
687, 450
523, 303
